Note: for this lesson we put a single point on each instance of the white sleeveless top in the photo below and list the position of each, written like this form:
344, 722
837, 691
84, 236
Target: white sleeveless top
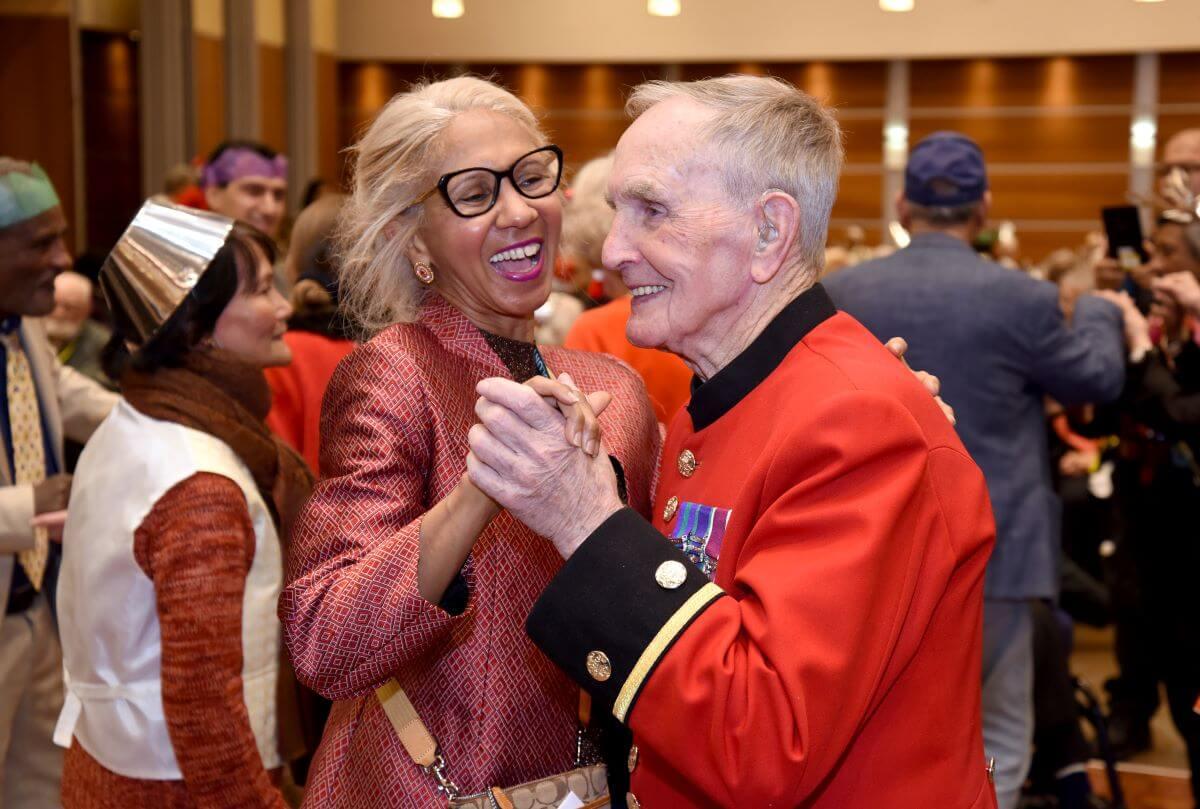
108, 620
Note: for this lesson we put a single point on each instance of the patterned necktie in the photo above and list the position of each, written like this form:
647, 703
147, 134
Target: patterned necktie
29, 453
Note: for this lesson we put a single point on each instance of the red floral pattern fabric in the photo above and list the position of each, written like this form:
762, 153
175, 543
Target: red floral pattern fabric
394, 442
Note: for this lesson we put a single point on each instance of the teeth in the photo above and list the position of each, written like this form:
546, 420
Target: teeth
512, 254
646, 290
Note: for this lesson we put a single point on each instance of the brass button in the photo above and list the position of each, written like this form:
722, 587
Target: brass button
687, 463
670, 509
632, 800
599, 666
633, 757
991, 771
671, 575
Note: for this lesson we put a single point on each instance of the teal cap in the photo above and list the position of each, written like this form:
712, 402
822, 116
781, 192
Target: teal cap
24, 196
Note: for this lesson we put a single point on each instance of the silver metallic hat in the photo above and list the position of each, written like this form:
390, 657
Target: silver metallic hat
158, 260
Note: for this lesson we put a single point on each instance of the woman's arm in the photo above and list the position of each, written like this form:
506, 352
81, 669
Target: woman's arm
196, 545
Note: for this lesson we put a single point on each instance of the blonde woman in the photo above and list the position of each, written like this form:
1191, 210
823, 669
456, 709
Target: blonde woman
401, 568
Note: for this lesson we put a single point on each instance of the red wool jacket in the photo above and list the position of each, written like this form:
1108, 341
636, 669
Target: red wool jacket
833, 660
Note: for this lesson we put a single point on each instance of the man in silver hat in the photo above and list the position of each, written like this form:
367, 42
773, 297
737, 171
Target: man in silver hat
43, 401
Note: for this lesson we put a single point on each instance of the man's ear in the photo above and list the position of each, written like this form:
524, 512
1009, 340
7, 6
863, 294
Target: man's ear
214, 196
903, 212
777, 229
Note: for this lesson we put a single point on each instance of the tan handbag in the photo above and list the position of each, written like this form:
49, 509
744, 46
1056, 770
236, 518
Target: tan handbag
590, 784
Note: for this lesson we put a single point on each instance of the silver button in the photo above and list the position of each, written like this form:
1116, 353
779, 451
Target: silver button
632, 762
671, 575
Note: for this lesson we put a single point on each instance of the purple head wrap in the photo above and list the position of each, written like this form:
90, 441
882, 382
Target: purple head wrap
236, 163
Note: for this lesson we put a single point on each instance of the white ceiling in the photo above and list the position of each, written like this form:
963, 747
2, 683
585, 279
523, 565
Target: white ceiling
736, 30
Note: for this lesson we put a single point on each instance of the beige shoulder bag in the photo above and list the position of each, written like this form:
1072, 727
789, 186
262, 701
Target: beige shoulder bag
590, 784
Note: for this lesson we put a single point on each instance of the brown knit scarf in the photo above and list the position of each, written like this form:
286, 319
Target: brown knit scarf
218, 394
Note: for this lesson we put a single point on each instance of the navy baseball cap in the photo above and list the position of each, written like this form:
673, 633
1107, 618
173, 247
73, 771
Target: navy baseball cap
945, 169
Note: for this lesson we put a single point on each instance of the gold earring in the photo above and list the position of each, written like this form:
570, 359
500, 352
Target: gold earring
423, 272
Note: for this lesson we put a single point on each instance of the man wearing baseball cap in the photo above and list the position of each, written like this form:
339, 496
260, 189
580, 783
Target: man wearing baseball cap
999, 342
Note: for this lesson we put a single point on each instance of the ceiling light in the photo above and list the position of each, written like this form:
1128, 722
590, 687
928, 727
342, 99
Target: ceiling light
1147, 1
1143, 133
896, 5
448, 9
663, 8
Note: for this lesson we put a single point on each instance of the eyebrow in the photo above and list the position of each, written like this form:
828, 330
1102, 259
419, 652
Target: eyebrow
644, 190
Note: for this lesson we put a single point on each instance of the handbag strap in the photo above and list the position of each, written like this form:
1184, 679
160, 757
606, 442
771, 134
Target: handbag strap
418, 742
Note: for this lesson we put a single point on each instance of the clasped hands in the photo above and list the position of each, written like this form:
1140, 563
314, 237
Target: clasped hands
538, 452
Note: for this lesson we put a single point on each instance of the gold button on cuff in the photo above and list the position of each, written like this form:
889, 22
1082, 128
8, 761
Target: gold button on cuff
670, 509
632, 801
687, 463
633, 758
671, 575
991, 771
599, 666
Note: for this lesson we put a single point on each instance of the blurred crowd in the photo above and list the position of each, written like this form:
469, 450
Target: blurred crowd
1075, 381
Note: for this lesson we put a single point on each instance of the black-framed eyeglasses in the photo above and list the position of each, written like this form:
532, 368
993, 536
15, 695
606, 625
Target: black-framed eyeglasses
474, 191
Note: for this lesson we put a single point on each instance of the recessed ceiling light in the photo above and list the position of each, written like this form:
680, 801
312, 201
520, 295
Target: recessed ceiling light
663, 8
896, 5
448, 9
1147, 1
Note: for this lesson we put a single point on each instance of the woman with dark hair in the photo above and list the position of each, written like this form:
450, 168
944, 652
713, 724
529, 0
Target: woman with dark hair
172, 562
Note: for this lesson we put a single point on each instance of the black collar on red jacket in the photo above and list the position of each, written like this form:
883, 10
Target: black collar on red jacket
734, 382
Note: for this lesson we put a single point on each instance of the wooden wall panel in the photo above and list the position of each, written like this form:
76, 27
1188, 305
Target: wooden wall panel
272, 97
1179, 78
859, 196
35, 85
209, 56
1049, 138
1170, 124
1056, 196
112, 135
329, 158
1039, 82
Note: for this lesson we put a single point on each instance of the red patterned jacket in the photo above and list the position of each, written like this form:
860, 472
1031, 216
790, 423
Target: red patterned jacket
394, 442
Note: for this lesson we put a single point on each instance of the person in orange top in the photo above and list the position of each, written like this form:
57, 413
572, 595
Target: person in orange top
666, 377
317, 335
587, 219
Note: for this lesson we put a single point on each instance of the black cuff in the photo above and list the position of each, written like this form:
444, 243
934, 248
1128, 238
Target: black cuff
616, 607
457, 596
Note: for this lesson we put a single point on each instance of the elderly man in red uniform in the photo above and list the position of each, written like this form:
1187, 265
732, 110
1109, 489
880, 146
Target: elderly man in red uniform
808, 633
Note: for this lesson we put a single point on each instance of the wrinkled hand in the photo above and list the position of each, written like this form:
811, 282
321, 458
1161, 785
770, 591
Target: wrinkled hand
1137, 328
521, 458
1181, 287
581, 412
899, 346
51, 494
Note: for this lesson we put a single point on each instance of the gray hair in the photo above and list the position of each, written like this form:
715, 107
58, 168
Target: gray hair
587, 218
771, 136
394, 163
943, 216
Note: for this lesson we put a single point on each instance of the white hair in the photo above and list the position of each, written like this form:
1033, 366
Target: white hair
769, 136
394, 162
587, 217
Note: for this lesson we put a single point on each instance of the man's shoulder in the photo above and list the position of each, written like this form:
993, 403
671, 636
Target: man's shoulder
841, 362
